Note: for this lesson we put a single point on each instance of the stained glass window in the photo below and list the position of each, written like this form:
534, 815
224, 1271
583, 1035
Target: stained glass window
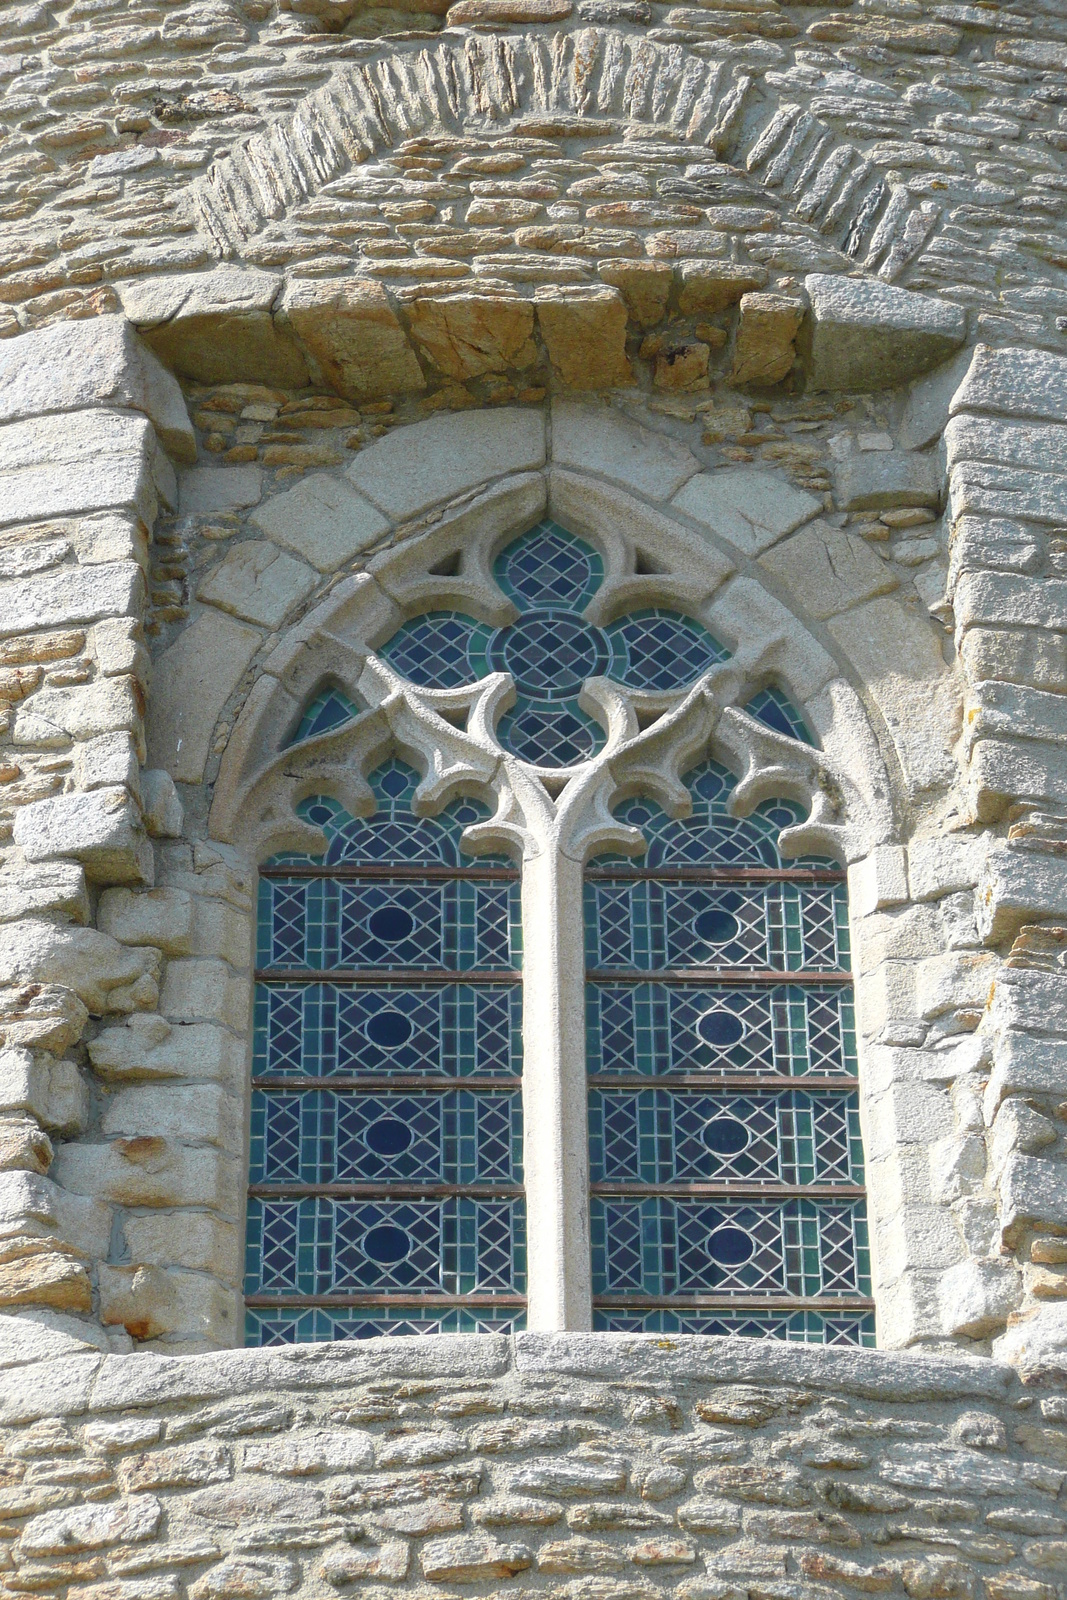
726, 1162
386, 1146
386, 1136
550, 649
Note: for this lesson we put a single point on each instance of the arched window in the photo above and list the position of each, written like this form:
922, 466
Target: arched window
692, 1153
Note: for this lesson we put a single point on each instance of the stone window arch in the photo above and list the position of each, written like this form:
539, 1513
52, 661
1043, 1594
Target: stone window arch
431, 611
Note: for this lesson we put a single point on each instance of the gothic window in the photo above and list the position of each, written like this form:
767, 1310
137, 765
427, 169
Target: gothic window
692, 1153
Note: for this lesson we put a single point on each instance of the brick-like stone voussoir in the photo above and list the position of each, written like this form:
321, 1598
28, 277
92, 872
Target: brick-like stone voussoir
414, 468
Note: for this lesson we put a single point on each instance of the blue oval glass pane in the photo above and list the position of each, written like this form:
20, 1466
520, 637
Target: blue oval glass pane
549, 654
716, 926
386, 1244
725, 1136
391, 924
730, 1247
389, 1029
720, 1028
388, 1137
549, 567
657, 649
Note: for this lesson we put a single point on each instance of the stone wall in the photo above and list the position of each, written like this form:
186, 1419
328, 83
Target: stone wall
605, 1467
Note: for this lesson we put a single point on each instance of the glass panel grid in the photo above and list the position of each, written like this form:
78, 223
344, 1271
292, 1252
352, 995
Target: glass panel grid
365, 1191
714, 960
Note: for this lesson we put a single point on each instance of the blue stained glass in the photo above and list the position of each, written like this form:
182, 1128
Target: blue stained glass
279, 1326
330, 708
666, 1245
549, 567
798, 1327
318, 1245
775, 709
656, 649
317, 931
710, 836
550, 649
438, 649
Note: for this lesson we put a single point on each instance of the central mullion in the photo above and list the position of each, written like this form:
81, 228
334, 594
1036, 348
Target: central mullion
554, 1090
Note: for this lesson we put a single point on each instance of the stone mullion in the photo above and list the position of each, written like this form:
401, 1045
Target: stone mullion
554, 1096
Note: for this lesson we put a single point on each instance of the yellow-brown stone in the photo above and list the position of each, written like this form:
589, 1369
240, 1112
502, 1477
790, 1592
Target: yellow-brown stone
468, 335
585, 333
644, 285
766, 338
353, 333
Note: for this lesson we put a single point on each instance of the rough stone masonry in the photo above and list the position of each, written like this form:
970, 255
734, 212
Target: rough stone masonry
301, 298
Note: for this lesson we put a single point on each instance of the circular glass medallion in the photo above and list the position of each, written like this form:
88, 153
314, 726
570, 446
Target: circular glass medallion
725, 1136
388, 1137
720, 1028
549, 654
391, 924
389, 1029
716, 926
730, 1247
386, 1244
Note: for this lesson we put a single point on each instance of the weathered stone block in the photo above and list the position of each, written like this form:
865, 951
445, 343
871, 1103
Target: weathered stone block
103, 830
879, 881
470, 1558
41, 1017
84, 712
90, 1527
72, 595
863, 334
216, 327
323, 520
72, 366
196, 1240
46, 1278
711, 286
1032, 1190
163, 813
159, 917
749, 508
826, 570
413, 468
354, 336
929, 403
876, 480
205, 489
55, 888
150, 1047
105, 975
32, 1206
257, 582
584, 330
204, 991
194, 678
150, 1302
596, 438
1014, 383
146, 1170
307, 1454
88, 461
53, 1092
765, 348
644, 285
201, 1111
468, 335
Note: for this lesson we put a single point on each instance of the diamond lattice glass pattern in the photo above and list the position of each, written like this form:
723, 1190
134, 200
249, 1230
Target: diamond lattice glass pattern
329, 709
724, 1193
550, 649
376, 1205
